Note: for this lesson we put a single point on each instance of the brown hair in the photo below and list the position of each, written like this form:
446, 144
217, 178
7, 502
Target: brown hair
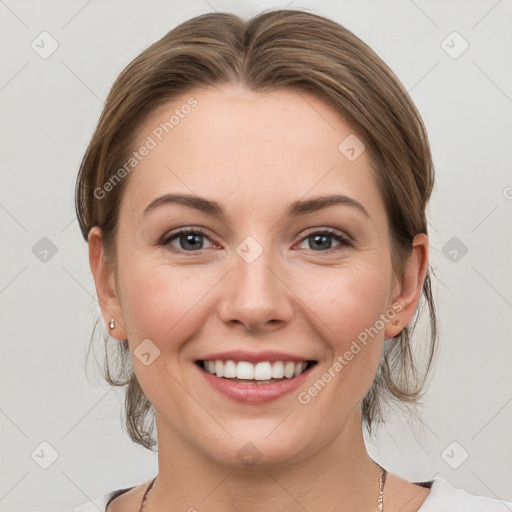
275, 49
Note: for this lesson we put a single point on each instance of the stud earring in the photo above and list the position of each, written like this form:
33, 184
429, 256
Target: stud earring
112, 324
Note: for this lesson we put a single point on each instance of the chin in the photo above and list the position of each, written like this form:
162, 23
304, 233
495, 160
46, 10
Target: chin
259, 450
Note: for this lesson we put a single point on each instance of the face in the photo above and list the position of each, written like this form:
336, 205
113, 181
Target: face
257, 278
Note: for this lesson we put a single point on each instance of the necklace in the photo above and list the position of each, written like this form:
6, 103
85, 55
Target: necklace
380, 502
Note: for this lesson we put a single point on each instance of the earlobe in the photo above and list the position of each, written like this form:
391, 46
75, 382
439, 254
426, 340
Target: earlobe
411, 286
105, 287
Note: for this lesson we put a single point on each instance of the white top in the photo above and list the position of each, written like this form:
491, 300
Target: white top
442, 498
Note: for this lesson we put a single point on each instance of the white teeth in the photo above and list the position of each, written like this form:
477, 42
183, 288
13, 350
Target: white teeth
299, 368
244, 370
263, 371
219, 369
289, 369
229, 370
278, 370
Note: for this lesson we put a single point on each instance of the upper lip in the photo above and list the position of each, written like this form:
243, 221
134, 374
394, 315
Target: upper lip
253, 357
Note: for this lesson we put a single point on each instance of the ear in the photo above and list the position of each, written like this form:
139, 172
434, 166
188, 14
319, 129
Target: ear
105, 286
410, 287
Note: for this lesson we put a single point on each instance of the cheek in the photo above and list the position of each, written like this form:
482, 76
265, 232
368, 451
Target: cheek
349, 300
350, 306
163, 302
167, 306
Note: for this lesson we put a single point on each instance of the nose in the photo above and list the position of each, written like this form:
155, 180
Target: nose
255, 294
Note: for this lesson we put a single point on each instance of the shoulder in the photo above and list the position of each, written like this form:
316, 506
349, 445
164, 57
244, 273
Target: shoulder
100, 504
443, 497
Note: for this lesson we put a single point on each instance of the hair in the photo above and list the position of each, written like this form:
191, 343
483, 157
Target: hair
290, 49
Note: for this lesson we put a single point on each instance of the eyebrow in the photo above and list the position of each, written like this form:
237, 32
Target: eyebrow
297, 208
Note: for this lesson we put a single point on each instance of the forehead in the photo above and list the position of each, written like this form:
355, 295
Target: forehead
255, 149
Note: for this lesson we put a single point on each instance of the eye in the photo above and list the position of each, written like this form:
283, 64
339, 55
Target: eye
192, 239
323, 240
189, 240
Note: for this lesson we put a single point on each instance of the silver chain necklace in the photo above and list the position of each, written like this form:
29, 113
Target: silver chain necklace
380, 502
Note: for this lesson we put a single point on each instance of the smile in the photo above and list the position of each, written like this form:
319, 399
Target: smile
256, 382
264, 372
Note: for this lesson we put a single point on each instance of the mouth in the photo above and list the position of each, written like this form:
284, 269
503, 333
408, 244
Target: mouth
260, 373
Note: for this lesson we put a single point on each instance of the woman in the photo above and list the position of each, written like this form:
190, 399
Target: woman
254, 202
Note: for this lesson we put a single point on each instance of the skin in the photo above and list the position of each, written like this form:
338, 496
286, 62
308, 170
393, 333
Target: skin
254, 154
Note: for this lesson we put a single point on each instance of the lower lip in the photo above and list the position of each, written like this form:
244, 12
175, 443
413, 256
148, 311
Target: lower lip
254, 393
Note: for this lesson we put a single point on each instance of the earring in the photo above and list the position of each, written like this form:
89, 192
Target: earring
112, 324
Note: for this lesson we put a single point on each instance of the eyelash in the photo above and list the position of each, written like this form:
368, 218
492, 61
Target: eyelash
344, 240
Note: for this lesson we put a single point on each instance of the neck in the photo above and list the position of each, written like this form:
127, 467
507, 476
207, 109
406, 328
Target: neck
340, 476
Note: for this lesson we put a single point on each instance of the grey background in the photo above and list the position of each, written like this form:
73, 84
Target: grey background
49, 108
